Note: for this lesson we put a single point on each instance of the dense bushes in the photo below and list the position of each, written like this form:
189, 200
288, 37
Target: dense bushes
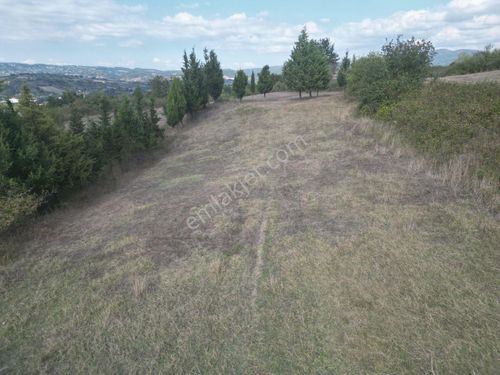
369, 81
483, 61
379, 79
40, 159
444, 120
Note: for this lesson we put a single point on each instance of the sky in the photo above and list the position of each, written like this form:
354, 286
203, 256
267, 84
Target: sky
245, 34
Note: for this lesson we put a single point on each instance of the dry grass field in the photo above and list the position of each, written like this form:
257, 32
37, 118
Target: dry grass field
336, 252
493, 76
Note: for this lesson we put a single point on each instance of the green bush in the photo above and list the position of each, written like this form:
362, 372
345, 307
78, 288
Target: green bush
444, 120
483, 61
368, 80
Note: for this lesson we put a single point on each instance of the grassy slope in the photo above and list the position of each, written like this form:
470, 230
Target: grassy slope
367, 264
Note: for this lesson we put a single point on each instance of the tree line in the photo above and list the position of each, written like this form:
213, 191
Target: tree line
40, 159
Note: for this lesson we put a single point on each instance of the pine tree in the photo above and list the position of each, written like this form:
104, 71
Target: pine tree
194, 83
265, 83
176, 103
214, 74
252, 83
328, 49
240, 84
307, 69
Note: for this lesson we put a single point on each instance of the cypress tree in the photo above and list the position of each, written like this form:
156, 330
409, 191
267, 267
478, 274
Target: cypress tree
265, 83
252, 83
194, 83
214, 74
176, 103
240, 84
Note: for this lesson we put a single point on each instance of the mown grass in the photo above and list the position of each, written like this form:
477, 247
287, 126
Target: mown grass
369, 266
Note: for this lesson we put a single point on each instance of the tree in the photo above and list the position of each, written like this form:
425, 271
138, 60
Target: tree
252, 83
307, 69
176, 103
76, 120
214, 74
409, 58
159, 87
328, 49
344, 68
194, 83
240, 84
265, 83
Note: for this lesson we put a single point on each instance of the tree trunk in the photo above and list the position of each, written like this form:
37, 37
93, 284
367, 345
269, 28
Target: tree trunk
300, 94
310, 94
264, 95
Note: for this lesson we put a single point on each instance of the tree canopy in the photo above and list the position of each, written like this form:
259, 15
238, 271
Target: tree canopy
214, 74
240, 84
265, 83
307, 69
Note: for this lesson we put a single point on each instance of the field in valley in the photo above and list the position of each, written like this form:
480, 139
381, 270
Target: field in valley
324, 249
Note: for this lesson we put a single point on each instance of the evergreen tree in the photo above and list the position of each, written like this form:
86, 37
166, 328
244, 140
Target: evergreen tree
240, 84
214, 74
154, 132
265, 83
252, 83
176, 103
194, 83
76, 120
344, 68
328, 49
307, 69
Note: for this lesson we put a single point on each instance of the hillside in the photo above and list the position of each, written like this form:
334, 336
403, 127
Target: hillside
102, 72
315, 248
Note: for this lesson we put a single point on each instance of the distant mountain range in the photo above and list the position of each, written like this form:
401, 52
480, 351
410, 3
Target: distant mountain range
445, 57
101, 72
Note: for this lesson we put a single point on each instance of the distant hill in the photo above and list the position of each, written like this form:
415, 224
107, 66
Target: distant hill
43, 85
102, 72
445, 57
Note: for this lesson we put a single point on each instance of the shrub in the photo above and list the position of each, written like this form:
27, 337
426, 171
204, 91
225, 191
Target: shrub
444, 120
368, 80
483, 61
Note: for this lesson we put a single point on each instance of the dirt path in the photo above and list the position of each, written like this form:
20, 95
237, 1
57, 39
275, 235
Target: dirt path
353, 257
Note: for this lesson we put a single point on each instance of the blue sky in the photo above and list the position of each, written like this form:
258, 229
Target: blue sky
153, 34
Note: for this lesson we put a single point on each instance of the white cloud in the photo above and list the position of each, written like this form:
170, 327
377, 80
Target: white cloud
29, 61
263, 13
458, 24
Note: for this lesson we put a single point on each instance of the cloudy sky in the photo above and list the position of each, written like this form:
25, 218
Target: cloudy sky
153, 34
